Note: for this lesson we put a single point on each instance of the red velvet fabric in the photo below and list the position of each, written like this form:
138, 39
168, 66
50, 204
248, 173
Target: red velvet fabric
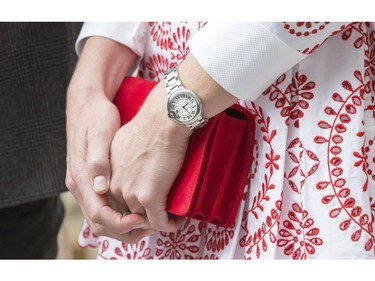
212, 179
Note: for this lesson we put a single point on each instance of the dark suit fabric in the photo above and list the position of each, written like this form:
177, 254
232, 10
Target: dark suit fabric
36, 63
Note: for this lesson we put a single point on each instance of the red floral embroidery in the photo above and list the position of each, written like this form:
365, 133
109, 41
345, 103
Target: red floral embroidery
357, 29
267, 185
103, 247
178, 44
87, 232
210, 257
304, 28
348, 205
90, 238
294, 100
218, 238
182, 244
298, 154
133, 251
202, 24
363, 160
160, 33
258, 239
154, 67
301, 93
299, 237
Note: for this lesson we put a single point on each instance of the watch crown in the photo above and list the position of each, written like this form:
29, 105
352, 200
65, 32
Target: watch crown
171, 114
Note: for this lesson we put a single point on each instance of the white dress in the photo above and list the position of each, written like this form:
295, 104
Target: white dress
312, 182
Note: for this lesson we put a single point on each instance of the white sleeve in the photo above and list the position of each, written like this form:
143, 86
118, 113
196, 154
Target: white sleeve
130, 34
246, 58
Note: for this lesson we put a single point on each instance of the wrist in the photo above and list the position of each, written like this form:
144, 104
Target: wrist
154, 115
214, 98
83, 90
102, 66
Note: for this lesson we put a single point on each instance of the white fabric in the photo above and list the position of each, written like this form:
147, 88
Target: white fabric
131, 34
263, 57
312, 182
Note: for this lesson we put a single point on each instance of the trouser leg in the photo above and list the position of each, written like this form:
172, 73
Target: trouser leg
29, 231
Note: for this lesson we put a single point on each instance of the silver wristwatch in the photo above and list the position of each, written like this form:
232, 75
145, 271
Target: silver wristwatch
183, 105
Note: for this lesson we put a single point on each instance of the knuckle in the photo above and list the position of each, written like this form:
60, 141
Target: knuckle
146, 200
127, 196
70, 184
98, 229
76, 171
97, 164
95, 217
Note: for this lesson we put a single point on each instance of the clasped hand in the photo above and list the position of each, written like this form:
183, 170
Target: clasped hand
146, 157
143, 159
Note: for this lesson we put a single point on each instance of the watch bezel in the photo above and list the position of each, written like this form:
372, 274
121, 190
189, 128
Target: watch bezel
173, 95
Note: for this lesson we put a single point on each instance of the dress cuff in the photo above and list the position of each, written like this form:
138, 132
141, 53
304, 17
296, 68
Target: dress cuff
130, 34
244, 58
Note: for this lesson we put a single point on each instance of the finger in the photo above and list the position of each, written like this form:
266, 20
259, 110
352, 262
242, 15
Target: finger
76, 165
135, 207
132, 237
118, 223
161, 220
122, 196
116, 203
103, 219
157, 216
115, 196
139, 231
69, 182
119, 204
130, 206
98, 162
95, 207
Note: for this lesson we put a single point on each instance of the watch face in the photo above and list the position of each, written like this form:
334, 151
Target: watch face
183, 106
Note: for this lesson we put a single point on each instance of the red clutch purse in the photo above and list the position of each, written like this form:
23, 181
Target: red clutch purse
212, 179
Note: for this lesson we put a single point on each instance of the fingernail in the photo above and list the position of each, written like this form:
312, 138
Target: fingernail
100, 184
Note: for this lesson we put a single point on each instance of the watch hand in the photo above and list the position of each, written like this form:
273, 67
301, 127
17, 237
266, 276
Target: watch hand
185, 108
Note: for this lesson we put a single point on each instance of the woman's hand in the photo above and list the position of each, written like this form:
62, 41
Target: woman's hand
146, 157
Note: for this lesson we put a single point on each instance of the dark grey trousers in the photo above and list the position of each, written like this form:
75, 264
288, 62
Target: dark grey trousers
29, 231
